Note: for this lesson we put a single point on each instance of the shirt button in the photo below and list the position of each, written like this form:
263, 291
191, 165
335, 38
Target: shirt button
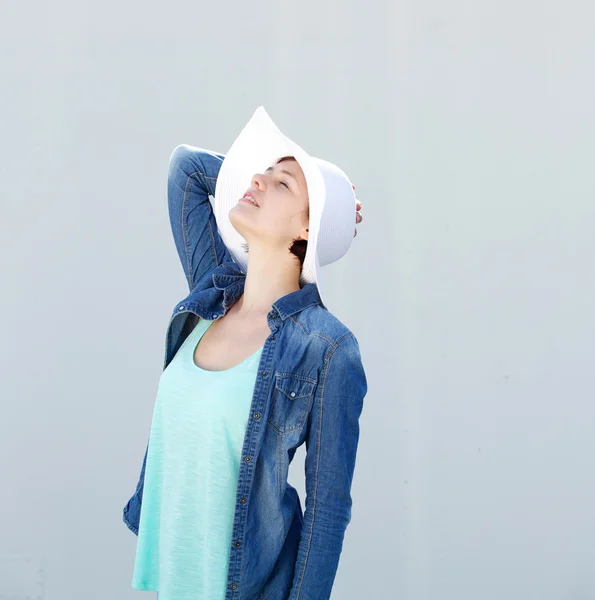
233, 586
248, 458
264, 373
238, 544
257, 415
292, 394
272, 338
242, 500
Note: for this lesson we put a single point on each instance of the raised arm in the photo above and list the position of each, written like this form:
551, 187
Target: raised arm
192, 175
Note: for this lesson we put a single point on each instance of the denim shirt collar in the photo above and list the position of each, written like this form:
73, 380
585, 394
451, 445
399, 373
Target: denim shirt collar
229, 278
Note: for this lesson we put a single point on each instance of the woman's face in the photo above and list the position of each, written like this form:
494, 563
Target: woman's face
282, 212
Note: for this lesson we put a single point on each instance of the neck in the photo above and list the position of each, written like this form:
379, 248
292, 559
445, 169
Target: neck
270, 275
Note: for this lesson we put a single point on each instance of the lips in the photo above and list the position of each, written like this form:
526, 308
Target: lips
250, 199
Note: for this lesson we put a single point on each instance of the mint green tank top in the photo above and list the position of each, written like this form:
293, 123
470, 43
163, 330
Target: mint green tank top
198, 428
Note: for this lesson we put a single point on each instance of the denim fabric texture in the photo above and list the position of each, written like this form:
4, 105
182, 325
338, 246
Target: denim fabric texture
309, 389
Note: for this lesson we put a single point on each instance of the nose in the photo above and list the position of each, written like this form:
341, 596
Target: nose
258, 181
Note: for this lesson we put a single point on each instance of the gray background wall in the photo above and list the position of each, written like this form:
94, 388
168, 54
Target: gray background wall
468, 129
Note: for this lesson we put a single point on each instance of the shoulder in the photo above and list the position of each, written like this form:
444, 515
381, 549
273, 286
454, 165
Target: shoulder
337, 348
318, 321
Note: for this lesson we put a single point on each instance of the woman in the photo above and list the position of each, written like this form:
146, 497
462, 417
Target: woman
255, 365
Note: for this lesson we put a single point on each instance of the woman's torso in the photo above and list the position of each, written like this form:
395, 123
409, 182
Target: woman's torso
285, 411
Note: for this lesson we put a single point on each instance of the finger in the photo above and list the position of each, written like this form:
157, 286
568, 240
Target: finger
358, 218
355, 232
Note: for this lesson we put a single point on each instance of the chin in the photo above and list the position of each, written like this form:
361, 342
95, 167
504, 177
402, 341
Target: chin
238, 220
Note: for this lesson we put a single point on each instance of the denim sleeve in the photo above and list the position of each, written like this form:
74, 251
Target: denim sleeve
331, 446
192, 176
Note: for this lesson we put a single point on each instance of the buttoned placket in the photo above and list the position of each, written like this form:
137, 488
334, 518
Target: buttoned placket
254, 437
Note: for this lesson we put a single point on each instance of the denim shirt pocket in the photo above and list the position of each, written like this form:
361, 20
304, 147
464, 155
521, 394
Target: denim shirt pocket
291, 401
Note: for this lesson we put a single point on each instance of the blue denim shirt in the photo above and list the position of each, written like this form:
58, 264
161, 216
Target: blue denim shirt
309, 389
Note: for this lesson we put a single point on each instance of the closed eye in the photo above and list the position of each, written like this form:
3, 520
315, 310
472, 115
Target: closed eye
285, 184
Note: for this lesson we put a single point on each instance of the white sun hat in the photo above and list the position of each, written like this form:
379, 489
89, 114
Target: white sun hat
331, 195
